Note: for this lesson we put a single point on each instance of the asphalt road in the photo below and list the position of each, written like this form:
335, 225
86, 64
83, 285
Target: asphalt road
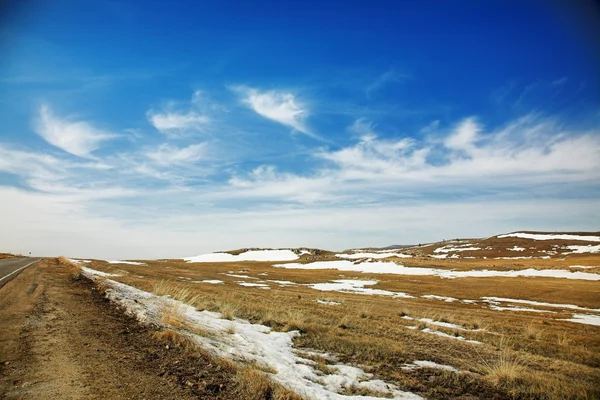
11, 267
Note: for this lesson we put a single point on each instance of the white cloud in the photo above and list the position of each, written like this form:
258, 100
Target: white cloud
464, 136
278, 106
167, 154
525, 154
78, 138
174, 232
172, 123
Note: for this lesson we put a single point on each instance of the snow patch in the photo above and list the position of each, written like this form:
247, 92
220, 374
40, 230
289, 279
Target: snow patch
516, 248
258, 343
329, 303
89, 271
355, 286
125, 262
211, 281
584, 319
583, 249
550, 236
427, 364
436, 297
380, 267
445, 335
250, 284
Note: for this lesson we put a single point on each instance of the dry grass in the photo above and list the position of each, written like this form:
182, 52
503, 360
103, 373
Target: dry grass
179, 292
173, 314
228, 310
252, 384
533, 330
176, 339
546, 356
505, 368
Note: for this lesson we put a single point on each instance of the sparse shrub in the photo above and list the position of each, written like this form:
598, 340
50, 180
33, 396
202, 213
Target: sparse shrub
228, 310
251, 384
174, 339
532, 331
505, 368
231, 328
173, 314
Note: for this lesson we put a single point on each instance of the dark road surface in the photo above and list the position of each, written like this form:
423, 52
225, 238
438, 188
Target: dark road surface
11, 267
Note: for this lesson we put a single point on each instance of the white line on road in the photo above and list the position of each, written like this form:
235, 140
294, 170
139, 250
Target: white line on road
17, 270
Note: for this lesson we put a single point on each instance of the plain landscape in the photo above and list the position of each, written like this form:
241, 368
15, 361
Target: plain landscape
513, 316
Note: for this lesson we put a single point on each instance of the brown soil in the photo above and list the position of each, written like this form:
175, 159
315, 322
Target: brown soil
59, 338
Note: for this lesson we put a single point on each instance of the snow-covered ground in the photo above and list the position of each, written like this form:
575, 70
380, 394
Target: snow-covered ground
251, 255
256, 343
516, 248
355, 286
417, 364
98, 273
380, 267
125, 262
538, 303
212, 281
355, 256
583, 249
585, 319
551, 236
327, 302
448, 249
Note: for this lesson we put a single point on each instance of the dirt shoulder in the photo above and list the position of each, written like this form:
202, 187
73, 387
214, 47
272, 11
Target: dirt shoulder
59, 338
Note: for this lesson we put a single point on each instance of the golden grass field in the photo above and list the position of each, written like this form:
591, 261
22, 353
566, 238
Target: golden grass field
523, 354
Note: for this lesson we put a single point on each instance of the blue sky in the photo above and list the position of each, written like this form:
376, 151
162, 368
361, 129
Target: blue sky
164, 129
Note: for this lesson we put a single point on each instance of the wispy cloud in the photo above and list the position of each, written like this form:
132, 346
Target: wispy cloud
525, 153
388, 77
173, 123
79, 138
167, 154
279, 106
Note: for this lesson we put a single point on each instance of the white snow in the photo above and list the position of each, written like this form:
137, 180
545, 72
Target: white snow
439, 255
258, 285
496, 300
240, 276
125, 262
442, 334
355, 256
256, 343
282, 283
380, 267
377, 267
580, 266
551, 236
583, 249
304, 252
78, 261
251, 255
445, 324
329, 303
355, 286
447, 249
516, 248
427, 364
436, 297
98, 273
212, 281
585, 319
499, 308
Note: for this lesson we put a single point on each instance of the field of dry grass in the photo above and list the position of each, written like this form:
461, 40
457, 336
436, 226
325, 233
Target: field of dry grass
497, 353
